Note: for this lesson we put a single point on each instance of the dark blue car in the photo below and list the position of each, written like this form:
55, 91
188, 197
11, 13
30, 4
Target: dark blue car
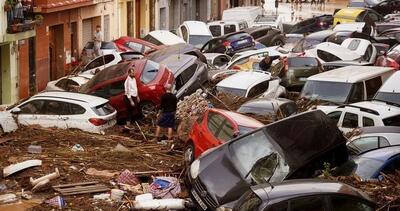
370, 164
230, 44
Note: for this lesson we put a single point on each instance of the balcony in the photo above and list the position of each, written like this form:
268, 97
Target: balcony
20, 17
48, 6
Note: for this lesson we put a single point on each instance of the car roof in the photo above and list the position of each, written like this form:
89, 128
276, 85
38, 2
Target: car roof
197, 28
244, 79
380, 129
298, 187
225, 22
266, 102
167, 37
392, 84
381, 154
176, 61
240, 119
320, 35
93, 101
350, 74
349, 12
382, 108
333, 48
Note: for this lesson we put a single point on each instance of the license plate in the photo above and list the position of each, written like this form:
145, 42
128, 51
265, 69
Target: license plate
199, 201
302, 79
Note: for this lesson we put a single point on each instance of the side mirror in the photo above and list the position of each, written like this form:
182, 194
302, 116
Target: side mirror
15, 110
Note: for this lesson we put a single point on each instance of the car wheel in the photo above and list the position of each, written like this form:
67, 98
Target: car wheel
277, 42
189, 154
148, 109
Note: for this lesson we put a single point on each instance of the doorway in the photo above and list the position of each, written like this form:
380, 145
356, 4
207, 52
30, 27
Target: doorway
137, 18
56, 51
32, 66
131, 24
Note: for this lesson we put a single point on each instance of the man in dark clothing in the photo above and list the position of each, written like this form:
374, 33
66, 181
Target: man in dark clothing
166, 116
265, 64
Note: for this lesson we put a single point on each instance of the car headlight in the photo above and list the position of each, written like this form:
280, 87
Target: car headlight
223, 209
194, 169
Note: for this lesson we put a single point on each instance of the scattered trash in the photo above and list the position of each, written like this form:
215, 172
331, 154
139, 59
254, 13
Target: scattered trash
49, 177
35, 149
57, 201
144, 197
160, 204
26, 195
135, 189
77, 148
3, 187
40, 185
117, 194
127, 177
165, 187
102, 196
80, 188
73, 168
8, 198
4, 140
120, 148
103, 173
11, 169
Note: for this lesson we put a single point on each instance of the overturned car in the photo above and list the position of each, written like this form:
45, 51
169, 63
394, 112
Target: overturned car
295, 147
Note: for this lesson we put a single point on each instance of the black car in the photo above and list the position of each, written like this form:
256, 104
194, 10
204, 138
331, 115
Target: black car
305, 194
230, 44
339, 36
310, 41
386, 7
311, 25
292, 148
266, 35
181, 48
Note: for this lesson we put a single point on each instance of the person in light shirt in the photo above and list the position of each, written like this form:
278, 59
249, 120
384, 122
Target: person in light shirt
131, 98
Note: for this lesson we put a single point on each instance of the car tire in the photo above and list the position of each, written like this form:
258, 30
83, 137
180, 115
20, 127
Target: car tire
189, 154
148, 109
278, 41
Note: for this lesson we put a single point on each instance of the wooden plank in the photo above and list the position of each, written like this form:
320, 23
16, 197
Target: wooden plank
75, 184
87, 191
4, 140
80, 188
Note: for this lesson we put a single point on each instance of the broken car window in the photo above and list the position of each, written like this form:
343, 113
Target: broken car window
32, 107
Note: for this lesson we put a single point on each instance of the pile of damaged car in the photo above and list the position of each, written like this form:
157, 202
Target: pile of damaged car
250, 112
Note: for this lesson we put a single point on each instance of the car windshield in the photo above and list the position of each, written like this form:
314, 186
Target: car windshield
259, 110
302, 62
363, 167
103, 110
305, 44
335, 92
199, 40
390, 97
234, 91
264, 158
243, 130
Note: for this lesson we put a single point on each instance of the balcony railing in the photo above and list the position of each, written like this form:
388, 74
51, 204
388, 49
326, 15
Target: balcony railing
21, 16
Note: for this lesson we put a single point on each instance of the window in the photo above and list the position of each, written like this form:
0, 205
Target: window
243, 25
326, 56
392, 121
350, 120
188, 73
215, 30
151, 39
136, 47
103, 110
72, 109
258, 89
110, 90
100, 61
32, 107
220, 61
51, 107
383, 142
281, 206
214, 123
345, 203
226, 132
258, 34
357, 93
365, 143
372, 86
150, 71
307, 203
368, 53
360, 17
288, 109
335, 116
367, 122
229, 29
184, 33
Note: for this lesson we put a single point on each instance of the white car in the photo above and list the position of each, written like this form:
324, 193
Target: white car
330, 52
260, 54
390, 90
248, 14
163, 37
219, 28
362, 47
251, 84
67, 83
275, 21
195, 33
99, 63
217, 60
365, 114
62, 110
374, 138
353, 27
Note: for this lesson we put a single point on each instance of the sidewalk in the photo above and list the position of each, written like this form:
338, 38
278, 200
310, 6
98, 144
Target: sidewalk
304, 12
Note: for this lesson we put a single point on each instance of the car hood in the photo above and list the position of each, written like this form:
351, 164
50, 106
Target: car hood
225, 184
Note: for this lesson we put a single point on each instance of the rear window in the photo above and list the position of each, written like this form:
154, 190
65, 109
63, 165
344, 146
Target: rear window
302, 62
108, 45
327, 57
229, 28
238, 36
392, 121
66, 84
215, 30
104, 109
150, 71
151, 39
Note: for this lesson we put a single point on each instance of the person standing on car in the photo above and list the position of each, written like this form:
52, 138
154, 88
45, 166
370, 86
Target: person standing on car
166, 115
97, 39
265, 64
131, 98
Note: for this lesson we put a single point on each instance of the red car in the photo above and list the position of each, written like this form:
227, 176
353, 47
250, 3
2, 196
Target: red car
134, 44
151, 79
214, 128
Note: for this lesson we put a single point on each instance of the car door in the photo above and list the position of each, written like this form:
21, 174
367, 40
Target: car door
209, 133
30, 111
350, 122
74, 116
348, 203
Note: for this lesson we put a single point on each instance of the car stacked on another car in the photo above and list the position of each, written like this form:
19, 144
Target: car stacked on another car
229, 44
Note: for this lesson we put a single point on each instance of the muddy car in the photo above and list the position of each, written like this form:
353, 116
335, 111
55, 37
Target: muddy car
181, 48
292, 148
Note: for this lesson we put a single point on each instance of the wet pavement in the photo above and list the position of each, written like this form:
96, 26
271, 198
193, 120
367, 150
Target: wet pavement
293, 13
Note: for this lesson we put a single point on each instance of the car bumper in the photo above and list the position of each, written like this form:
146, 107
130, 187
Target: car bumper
199, 201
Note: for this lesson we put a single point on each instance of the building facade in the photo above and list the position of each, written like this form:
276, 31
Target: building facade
16, 52
136, 17
67, 27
